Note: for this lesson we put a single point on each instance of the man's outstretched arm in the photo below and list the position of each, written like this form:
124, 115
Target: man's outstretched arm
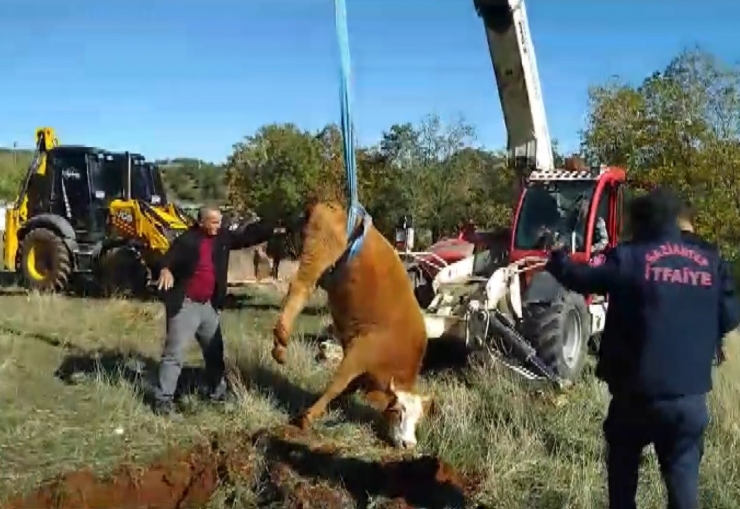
252, 234
582, 278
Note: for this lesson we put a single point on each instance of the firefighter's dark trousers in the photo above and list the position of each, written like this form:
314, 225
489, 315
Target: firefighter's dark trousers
675, 427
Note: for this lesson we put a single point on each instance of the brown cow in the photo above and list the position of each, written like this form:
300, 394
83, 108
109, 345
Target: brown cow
376, 320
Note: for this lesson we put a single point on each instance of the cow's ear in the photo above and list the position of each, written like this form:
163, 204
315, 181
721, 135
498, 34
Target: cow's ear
428, 405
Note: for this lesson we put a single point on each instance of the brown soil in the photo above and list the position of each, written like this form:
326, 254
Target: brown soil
177, 480
297, 472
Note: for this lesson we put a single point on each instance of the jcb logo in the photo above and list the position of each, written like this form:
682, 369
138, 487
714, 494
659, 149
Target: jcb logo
125, 216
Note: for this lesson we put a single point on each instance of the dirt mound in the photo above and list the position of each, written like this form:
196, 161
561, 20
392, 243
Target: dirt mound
289, 467
178, 480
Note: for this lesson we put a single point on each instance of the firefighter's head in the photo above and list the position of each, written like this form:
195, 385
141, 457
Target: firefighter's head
654, 213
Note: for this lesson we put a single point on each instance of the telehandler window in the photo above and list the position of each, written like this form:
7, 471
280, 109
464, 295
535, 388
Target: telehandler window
551, 207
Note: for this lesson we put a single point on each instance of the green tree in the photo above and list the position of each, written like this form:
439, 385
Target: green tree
382, 188
679, 128
194, 180
425, 167
491, 195
274, 171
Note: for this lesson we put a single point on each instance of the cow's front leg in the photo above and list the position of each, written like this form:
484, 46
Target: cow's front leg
317, 256
293, 304
349, 369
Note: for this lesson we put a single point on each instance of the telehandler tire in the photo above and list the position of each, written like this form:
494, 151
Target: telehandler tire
559, 331
46, 263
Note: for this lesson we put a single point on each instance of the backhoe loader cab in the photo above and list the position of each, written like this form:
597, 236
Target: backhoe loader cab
146, 181
64, 201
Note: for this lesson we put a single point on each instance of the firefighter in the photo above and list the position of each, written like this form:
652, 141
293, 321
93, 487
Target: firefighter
671, 302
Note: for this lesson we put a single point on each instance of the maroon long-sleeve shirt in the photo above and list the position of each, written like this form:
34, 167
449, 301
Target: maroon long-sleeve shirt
202, 283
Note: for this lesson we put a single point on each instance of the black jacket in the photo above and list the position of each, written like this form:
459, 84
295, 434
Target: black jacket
182, 258
671, 301
693, 238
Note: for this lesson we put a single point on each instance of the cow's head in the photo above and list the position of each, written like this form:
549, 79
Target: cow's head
403, 413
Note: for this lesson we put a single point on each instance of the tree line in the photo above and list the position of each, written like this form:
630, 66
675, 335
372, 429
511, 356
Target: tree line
678, 127
432, 171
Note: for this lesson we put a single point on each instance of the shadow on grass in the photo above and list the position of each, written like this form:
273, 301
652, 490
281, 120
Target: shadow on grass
294, 399
445, 355
420, 482
442, 356
135, 369
140, 371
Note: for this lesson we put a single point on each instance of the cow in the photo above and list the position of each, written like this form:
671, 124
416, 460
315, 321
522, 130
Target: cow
376, 319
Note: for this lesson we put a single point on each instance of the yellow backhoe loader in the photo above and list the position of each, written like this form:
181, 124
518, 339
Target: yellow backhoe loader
83, 213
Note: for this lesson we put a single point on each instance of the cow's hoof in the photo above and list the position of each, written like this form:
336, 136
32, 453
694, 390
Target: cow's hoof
279, 353
302, 421
280, 332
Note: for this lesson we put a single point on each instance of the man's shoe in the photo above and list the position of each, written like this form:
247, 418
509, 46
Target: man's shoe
165, 409
221, 394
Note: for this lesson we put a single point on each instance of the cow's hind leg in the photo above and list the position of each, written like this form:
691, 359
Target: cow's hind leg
351, 366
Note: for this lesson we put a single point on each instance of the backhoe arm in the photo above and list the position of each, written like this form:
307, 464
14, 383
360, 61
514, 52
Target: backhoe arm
16, 216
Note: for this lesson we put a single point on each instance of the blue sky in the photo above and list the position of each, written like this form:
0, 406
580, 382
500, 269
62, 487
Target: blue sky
192, 77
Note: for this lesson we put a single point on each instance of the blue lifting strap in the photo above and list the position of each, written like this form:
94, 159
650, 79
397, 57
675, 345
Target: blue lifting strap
354, 208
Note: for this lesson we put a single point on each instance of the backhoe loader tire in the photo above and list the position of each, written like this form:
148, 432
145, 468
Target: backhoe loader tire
559, 331
122, 273
46, 263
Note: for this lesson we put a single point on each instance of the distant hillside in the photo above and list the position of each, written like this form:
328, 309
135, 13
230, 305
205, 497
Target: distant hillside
186, 179
193, 180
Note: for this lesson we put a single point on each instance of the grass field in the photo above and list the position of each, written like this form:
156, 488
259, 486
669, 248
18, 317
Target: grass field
73, 373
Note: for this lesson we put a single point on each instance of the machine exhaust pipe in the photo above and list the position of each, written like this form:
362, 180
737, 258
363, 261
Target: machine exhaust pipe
128, 176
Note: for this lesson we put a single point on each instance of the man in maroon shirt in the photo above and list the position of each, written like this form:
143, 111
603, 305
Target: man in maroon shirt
193, 280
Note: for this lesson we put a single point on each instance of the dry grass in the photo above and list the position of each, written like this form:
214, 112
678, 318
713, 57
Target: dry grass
529, 451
